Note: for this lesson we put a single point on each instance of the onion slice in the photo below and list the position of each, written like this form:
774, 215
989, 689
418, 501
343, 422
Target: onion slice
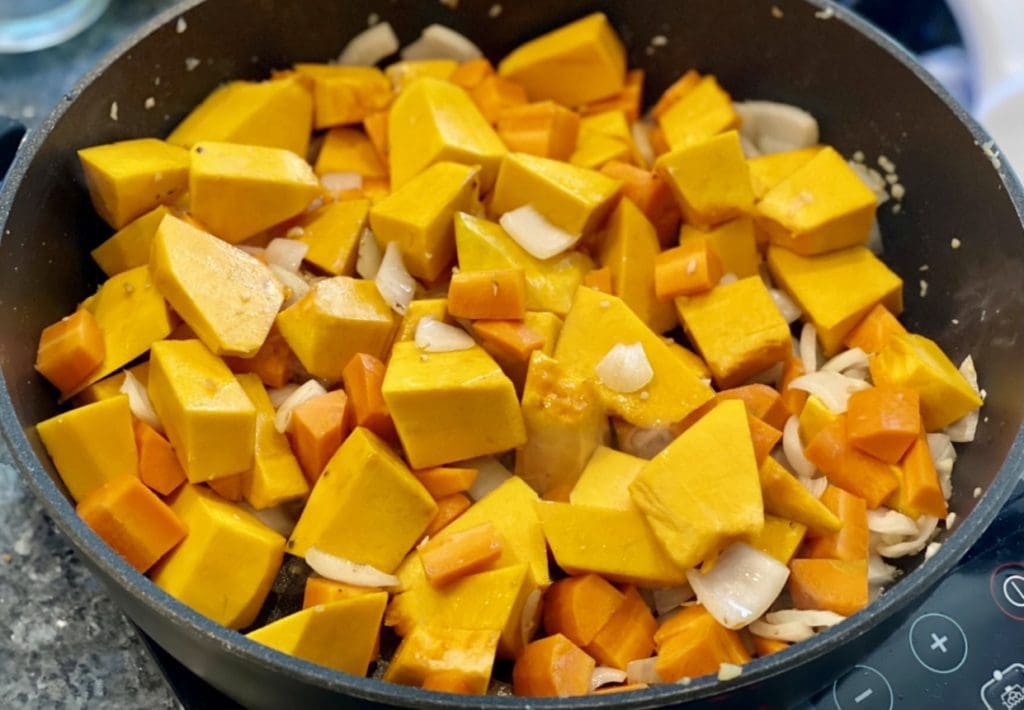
396, 285
278, 395
793, 449
368, 257
879, 571
341, 182
926, 524
852, 358
138, 401
668, 598
964, 429
490, 474
774, 127
433, 336
370, 46
644, 442
643, 670
529, 619
809, 347
280, 518
812, 617
625, 368
889, 522
792, 631
832, 388
310, 390
943, 456
286, 253
440, 42
605, 675
787, 307
346, 571
741, 586
296, 285
641, 132
534, 233
815, 486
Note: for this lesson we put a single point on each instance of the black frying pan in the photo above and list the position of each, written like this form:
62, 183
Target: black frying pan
867, 94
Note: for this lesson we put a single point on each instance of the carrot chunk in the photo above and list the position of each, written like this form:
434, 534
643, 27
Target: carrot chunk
793, 399
318, 427
689, 268
628, 635
830, 450
363, 378
542, 128
460, 554
552, 667
510, 338
228, 487
601, 279
920, 491
470, 73
766, 647
497, 294
495, 94
764, 437
69, 350
272, 363
448, 509
579, 607
697, 645
833, 585
873, 331
629, 100
320, 590
159, 467
442, 481
762, 401
132, 520
651, 194
884, 421
850, 542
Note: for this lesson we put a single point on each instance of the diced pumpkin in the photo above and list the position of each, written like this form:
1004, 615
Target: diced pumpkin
69, 350
873, 331
762, 402
442, 481
320, 590
427, 651
786, 497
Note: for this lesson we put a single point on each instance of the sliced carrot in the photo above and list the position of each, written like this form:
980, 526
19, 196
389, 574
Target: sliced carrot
651, 194
320, 590
448, 682
442, 481
698, 647
762, 401
629, 100
465, 552
680, 622
272, 363
496, 294
495, 94
628, 635
69, 350
601, 279
680, 88
228, 487
363, 378
552, 667
832, 585
764, 438
793, 399
510, 338
543, 128
920, 491
448, 509
318, 427
132, 520
873, 331
159, 467
850, 542
376, 127
884, 421
690, 268
830, 450
766, 647
470, 73
579, 607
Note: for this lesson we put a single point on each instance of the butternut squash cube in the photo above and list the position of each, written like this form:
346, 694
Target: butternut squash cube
418, 216
332, 234
207, 416
436, 308
427, 651
814, 417
734, 242
129, 247
703, 111
69, 350
786, 497
91, 445
403, 74
366, 506
767, 171
580, 62
225, 566
836, 290
780, 538
821, 207
605, 480
703, 492
605, 136
238, 191
345, 94
338, 318
737, 328
312, 634
129, 178
349, 150
710, 180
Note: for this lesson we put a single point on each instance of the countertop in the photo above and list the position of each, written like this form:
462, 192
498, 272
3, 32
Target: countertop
63, 642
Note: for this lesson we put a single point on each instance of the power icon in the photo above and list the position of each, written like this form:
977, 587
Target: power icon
1007, 588
1013, 590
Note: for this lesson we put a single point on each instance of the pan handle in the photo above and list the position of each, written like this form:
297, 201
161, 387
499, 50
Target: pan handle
11, 133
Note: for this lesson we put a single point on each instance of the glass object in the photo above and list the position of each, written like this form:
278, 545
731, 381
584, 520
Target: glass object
27, 25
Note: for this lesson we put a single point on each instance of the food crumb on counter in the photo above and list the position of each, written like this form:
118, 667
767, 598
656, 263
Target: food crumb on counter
897, 208
955, 243
60, 623
886, 164
113, 110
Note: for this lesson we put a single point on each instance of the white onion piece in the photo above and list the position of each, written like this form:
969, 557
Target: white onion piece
793, 448
749, 149
280, 394
858, 373
668, 598
741, 586
286, 253
440, 42
943, 456
309, 390
832, 388
812, 617
964, 429
729, 671
369, 257
643, 670
604, 675
728, 278
852, 358
489, 475
815, 486
296, 285
643, 442
532, 231
396, 285
890, 522
340, 182
433, 336
138, 402
370, 46
774, 127
789, 310
874, 243
529, 620
768, 376
346, 571
879, 571
792, 632
641, 132
280, 518
926, 524
625, 368
809, 347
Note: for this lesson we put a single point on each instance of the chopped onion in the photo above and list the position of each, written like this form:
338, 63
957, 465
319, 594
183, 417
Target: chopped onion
346, 571
641, 132
296, 285
138, 401
341, 182
793, 631
643, 442
809, 347
831, 388
852, 358
668, 598
529, 620
643, 670
440, 42
729, 671
749, 149
395, 284
280, 394
815, 486
532, 231
489, 475
964, 430
874, 243
891, 522
768, 376
858, 373
943, 456
879, 571
775, 127
625, 368
604, 675
793, 449
728, 278
280, 518
812, 617
286, 253
309, 390
789, 310
741, 586
370, 46
369, 257
926, 525
433, 336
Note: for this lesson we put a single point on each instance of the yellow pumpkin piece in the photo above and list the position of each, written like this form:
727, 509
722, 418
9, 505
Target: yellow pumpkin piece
436, 308
111, 386
578, 63
550, 283
691, 360
207, 416
786, 497
433, 121
403, 74
702, 112
428, 651
605, 480
312, 634
450, 406
737, 328
349, 150
780, 538
129, 178
225, 566
238, 191
338, 318
345, 94
617, 544
130, 246
228, 298
565, 422
275, 114
91, 445
572, 198
821, 207
629, 248
814, 417
767, 171
598, 322
366, 507
275, 476
734, 242
703, 492
836, 290
605, 136
418, 216
332, 233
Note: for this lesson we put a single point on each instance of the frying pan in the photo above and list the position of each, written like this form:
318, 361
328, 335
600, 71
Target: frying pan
868, 95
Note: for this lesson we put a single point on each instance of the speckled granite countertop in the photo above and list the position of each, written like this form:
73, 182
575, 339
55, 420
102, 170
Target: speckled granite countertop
63, 643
